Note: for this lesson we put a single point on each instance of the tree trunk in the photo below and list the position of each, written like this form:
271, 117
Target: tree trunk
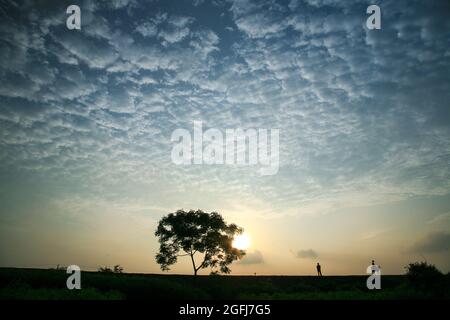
193, 264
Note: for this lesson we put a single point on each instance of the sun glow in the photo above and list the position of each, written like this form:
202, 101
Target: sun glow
241, 242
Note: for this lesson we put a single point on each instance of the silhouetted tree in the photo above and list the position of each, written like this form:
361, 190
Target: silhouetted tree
199, 232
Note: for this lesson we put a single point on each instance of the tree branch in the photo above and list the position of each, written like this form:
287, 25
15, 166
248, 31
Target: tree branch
193, 263
203, 262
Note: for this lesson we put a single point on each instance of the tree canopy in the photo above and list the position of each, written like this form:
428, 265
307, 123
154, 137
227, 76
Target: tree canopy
197, 233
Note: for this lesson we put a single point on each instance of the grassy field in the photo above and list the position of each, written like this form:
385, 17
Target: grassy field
51, 284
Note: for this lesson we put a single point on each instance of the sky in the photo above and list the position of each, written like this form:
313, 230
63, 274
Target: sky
86, 118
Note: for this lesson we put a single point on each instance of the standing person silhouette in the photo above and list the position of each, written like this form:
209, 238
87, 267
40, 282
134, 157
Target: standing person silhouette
319, 269
373, 269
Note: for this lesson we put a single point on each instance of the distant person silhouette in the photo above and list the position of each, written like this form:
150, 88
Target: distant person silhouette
373, 269
319, 269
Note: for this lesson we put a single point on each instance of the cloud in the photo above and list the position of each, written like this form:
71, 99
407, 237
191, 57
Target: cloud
441, 219
147, 29
433, 243
259, 25
373, 234
254, 257
174, 34
362, 114
169, 28
196, 3
118, 4
307, 254
95, 53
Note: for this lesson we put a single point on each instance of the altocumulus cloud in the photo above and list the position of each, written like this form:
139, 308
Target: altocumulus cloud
363, 114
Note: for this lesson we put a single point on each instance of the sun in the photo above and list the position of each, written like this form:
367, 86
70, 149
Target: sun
241, 242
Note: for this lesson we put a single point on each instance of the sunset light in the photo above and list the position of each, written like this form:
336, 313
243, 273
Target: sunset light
241, 242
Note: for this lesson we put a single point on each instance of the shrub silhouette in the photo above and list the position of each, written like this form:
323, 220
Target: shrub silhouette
426, 278
116, 269
105, 269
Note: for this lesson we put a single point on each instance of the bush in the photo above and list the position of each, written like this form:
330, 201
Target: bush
116, 269
426, 278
